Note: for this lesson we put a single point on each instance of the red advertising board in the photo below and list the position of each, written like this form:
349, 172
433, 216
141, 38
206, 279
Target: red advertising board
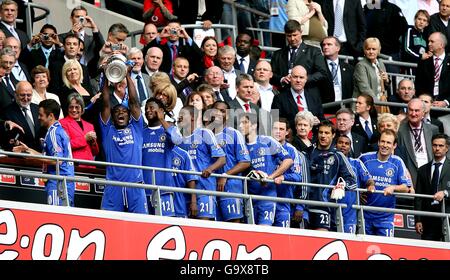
32, 231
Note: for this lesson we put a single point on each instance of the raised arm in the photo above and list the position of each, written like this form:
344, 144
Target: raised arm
106, 96
133, 99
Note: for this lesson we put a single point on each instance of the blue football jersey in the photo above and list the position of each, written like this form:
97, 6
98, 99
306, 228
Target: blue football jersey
57, 144
203, 149
362, 175
293, 174
326, 168
179, 159
157, 142
384, 173
123, 146
265, 154
233, 144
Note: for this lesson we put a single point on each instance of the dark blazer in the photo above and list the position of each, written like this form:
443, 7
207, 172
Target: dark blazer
57, 85
359, 145
36, 57
358, 128
6, 97
432, 226
353, 19
187, 11
406, 146
307, 56
436, 25
24, 39
25, 71
288, 107
251, 66
327, 88
424, 81
14, 113
183, 49
92, 46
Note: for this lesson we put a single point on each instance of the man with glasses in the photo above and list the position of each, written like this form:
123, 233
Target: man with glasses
25, 114
7, 82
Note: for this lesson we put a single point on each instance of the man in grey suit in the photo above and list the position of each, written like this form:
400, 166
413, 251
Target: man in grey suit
414, 138
141, 80
432, 180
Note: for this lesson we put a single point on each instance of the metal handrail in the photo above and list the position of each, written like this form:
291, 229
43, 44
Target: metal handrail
135, 33
246, 8
243, 196
393, 104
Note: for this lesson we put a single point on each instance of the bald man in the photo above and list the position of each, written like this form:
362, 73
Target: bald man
296, 98
153, 60
262, 75
25, 114
431, 80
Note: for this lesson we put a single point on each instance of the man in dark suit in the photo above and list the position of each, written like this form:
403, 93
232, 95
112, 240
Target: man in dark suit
226, 56
345, 119
25, 114
298, 98
414, 138
7, 82
297, 53
184, 82
405, 92
339, 82
92, 43
243, 61
178, 43
19, 70
8, 14
215, 78
349, 26
47, 41
432, 179
436, 23
433, 74
428, 100
245, 88
71, 49
188, 12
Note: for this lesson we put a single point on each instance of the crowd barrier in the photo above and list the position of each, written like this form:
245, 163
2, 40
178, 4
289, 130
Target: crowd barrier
248, 198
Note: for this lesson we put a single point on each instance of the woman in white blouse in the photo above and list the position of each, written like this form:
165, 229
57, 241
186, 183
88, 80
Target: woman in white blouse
41, 79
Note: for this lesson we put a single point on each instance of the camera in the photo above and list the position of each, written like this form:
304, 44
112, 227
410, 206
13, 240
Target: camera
45, 37
173, 31
82, 19
115, 47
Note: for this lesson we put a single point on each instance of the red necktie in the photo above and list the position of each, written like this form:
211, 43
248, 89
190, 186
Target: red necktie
247, 107
299, 104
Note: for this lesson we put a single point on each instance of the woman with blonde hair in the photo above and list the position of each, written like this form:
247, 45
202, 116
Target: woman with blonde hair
167, 93
370, 74
72, 76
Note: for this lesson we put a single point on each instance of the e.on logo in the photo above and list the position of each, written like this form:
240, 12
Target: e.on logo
156, 248
47, 241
